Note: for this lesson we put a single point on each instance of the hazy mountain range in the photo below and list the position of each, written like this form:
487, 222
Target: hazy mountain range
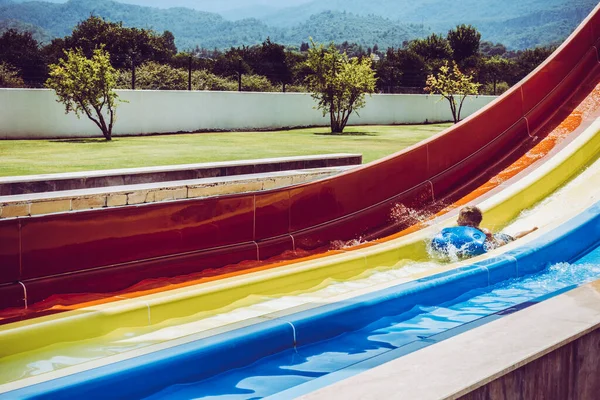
210, 23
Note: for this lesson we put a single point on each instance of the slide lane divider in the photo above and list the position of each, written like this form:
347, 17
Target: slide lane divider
209, 356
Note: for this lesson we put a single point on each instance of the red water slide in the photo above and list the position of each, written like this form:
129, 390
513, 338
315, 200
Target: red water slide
110, 249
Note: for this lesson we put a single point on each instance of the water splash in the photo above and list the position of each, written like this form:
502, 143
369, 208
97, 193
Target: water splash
400, 214
450, 253
345, 244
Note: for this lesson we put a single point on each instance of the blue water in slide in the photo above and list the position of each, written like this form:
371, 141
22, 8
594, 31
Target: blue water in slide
290, 368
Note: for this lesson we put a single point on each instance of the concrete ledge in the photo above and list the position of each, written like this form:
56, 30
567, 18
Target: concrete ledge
549, 350
86, 199
16, 185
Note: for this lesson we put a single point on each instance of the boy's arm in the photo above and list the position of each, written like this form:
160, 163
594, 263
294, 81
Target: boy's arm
524, 233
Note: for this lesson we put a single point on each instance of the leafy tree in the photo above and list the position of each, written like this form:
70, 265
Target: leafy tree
204, 80
296, 62
414, 72
125, 45
297, 89
389, 72
272, 63
155, 76
434, 47
235, 62
495, 69
489, 49
338, 84
167, 44
401, 69
464, 41
434, 50
498, 89
9, 77
85, 86
199, 60
452, 85
257, 83
22, 51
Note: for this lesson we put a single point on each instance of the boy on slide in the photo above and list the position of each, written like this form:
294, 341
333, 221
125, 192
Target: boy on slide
472, 216
468, 239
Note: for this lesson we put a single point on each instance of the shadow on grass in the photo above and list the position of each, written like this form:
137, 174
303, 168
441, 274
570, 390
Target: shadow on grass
345, 134
94, 140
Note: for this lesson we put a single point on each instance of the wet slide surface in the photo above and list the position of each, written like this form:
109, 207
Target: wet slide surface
178, 364
83, 252
579, 194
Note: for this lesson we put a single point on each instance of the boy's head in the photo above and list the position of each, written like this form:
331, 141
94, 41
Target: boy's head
470, 216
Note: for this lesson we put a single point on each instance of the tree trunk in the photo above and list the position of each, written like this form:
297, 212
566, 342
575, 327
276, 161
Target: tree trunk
453, 108
336, 128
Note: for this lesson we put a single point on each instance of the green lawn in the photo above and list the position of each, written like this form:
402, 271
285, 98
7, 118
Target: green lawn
24, 157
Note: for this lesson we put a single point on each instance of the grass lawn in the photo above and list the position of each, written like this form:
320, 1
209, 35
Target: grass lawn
25, 157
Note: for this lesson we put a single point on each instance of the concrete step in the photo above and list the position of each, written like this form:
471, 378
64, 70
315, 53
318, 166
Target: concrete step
17, 185
23, 205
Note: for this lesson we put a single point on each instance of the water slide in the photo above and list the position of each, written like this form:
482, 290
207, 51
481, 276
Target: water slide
63, 355
83, 252
44, 350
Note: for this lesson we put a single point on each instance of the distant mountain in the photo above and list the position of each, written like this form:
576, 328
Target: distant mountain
209, 30
190, 27
38, 33
430, 12
340, 26
516, 23
219, 6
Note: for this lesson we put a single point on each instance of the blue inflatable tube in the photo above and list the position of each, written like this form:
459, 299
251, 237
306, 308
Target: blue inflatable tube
462, 241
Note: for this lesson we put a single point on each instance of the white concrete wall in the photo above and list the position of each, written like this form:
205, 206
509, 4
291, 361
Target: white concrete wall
33, 114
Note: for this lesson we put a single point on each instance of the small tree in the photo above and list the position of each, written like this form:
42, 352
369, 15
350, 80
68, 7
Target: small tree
452, 85
86, 86
338, 84
9, 77
495, 69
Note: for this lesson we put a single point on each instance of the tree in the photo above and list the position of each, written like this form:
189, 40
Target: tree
464, 41
494, 70
9, 77
432, 48
452, 85
389, 72
155, 76
272, 63
234, 63
22, 52
400, 70
489, 49
126, 46
338, 84
85, 86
